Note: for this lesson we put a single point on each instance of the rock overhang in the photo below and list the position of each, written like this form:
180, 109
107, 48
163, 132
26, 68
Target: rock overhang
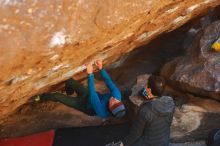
44, 43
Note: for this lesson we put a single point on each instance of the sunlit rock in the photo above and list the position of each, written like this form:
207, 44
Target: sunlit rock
46, 42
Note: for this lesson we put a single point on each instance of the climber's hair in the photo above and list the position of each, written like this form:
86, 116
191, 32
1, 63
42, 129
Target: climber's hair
156, 83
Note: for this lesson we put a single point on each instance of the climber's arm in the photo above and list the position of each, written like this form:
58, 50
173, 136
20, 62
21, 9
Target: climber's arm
93, 96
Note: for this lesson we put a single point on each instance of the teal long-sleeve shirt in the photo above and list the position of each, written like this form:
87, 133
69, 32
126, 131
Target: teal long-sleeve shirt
99, 102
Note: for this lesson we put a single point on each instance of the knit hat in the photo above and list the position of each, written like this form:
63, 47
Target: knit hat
116, 107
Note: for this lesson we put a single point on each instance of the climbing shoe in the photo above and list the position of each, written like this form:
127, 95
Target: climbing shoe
42, 97
37, 98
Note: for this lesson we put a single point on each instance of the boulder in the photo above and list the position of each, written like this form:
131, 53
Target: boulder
34, 117
193, 119
198, 71
46, 42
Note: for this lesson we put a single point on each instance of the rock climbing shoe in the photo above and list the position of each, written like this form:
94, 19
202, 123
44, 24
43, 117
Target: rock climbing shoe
36, 98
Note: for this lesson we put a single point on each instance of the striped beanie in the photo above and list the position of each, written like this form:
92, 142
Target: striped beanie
116, 107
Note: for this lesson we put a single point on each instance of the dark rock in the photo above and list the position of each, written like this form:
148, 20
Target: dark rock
198, 71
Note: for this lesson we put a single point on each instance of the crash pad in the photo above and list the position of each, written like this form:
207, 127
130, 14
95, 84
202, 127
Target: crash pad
75, 136
91, 136
39, 139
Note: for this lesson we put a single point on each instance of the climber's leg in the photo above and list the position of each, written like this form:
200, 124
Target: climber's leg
72, 85
65, 99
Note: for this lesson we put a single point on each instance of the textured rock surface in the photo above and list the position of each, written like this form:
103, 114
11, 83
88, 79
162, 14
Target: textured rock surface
192, 120
36, 118
199, 70
40, 116
46, 42
147, 59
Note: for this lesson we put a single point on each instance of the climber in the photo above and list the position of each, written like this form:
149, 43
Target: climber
104, 104
152, 125
88, 100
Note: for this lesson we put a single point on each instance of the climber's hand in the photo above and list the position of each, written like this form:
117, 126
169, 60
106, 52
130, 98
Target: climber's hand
98, 63
89, 68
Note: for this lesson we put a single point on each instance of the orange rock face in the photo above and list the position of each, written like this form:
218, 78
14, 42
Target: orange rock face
46, 42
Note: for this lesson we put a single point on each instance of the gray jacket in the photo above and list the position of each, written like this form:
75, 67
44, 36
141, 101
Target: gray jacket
152, 126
